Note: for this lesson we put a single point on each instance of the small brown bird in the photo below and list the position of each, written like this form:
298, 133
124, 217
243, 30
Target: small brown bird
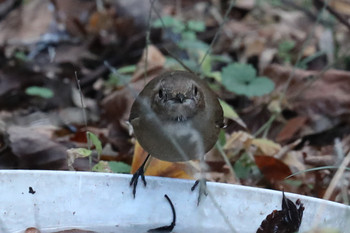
176, 117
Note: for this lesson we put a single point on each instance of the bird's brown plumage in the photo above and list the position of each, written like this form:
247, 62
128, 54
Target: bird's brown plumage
176, 117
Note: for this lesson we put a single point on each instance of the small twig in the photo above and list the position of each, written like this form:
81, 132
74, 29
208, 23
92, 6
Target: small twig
221, 151
338, 147
84, 116
266, 126
315, 169
337, 176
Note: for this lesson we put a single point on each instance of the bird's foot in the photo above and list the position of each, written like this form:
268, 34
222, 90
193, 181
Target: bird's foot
135, 178
140, 172
202, 188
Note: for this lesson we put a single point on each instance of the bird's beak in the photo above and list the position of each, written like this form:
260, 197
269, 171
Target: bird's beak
180, 97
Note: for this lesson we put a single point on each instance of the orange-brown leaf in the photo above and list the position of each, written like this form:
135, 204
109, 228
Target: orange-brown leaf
273, 169
291, 128
158, 167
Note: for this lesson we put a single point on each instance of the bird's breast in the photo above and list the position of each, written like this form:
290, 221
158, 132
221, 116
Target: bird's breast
171, 140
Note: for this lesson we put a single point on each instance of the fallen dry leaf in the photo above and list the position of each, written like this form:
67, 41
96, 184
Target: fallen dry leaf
265, 146
27, 23
341, 6
237, 141
295, 161
245, 4
116, 109
312, 93
291, 128
244, 141
75, 153
101, 20
116, 106
273, 169
35, 149
254, 46
15, 80
155, 61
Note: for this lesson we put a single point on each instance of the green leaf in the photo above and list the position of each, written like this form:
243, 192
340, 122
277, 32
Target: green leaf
173, 64
286, 46
169, 22
295, 183
190, 63
215, 75
188, 35
222, 138
229, 112
113, 80
238, 73
260, 86
42, 92
117, 79
166, 21
284, 50
101, 166
206, 64
221, 58
20, 55
241, 79
127, 69
193, 44
236, 77
244, 166
197, 26
119, 167
275, 3
83, 152
97, 143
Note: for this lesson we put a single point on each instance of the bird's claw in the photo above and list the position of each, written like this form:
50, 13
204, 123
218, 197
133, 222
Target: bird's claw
135, 178
202, 189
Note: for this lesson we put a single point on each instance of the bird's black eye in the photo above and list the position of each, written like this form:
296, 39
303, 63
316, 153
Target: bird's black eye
195, 90
160, 93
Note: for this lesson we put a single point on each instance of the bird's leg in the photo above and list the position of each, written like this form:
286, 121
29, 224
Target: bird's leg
202, 182
137, 174
202, 188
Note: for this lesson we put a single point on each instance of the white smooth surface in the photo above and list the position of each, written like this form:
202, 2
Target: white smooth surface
104, 202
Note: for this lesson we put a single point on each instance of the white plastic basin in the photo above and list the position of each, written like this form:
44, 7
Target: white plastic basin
104, 203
